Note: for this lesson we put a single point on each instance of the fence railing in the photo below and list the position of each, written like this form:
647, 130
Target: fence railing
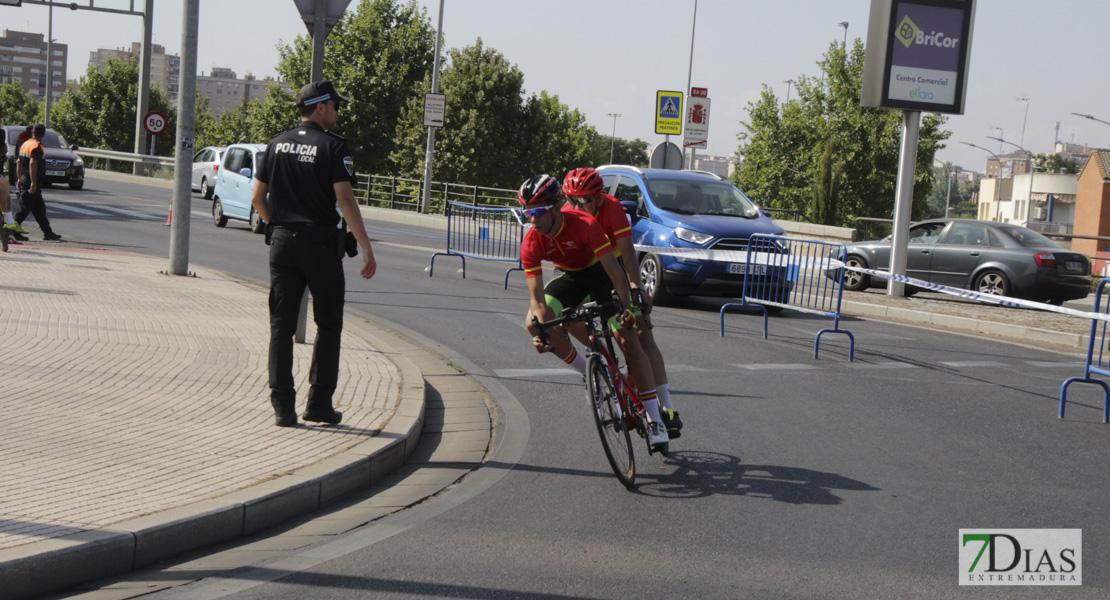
400, 193
484, 233
157, 166
1095, 365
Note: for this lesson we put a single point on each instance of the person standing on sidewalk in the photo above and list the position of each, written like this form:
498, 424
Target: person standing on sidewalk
32, 174
7, 219
305, 172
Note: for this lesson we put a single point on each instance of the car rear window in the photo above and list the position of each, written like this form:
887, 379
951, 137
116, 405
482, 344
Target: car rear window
1028, 237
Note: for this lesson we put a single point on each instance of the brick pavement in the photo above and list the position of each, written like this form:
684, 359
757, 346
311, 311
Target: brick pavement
126, 392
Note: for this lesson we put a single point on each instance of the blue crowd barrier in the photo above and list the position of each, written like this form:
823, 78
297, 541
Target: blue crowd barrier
483, 233
803, 275
1101, 365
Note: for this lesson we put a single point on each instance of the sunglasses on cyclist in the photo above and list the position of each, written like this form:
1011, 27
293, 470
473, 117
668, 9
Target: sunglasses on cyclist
539, 211
582, 199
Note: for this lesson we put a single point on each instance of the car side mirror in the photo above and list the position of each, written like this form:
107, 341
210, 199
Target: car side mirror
631, 209
245, 172
765, 213
73, 147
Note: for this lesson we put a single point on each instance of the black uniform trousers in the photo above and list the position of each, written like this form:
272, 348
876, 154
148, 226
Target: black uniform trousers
298, 258
33, 204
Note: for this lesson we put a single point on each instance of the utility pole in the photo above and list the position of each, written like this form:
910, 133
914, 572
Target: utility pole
183, 157
144, 84
613, 138
429, 156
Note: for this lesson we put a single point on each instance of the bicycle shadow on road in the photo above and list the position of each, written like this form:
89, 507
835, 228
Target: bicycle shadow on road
695, 474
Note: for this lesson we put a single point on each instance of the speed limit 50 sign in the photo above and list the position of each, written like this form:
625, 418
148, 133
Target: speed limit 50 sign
155, 123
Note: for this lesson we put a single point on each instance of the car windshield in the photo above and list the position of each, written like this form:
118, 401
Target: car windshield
53, 140
700, 198
1028, 237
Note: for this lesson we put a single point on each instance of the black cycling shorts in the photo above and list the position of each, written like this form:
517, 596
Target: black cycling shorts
570, 288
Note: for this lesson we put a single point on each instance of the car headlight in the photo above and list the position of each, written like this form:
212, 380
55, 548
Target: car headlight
78, 163
689, 235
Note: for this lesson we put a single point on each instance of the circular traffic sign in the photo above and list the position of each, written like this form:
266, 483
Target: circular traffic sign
155, 123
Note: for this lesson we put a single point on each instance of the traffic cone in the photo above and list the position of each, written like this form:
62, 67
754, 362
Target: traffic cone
169, 217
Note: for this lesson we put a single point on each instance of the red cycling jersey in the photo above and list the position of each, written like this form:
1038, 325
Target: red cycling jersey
578, 244
610, 215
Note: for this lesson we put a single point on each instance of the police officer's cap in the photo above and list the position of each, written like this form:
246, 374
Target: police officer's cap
317, 92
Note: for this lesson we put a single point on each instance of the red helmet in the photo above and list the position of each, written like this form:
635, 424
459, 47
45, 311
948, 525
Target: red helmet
541, 189
583, 182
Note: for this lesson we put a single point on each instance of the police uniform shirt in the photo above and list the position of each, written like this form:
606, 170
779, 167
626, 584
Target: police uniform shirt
301, 167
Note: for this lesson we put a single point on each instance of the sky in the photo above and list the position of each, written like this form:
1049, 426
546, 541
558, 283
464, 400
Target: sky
611, 56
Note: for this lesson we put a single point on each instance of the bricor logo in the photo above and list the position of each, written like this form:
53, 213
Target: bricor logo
1021, 557
907, 32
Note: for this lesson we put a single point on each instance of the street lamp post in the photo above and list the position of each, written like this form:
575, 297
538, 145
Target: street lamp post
613, 138
1029, 198
1024, 100
948, 198
844, 24
788, 82
1091, 118
997, 184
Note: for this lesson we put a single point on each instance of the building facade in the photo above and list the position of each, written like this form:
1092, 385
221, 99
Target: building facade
224, 90
165, 69
23, 62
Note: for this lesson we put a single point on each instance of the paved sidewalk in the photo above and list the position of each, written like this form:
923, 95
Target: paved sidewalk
137, 421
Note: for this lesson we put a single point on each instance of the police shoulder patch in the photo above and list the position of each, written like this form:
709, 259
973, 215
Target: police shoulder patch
350, 165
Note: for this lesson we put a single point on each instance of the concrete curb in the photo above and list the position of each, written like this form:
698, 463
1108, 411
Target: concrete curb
1005, 331
60, 563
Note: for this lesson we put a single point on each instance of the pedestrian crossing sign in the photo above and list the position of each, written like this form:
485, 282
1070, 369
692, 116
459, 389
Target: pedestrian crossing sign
668, 113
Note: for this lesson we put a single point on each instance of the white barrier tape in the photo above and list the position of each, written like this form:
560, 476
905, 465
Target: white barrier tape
741, 256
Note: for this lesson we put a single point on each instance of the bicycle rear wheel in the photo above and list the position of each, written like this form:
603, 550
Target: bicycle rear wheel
610, 421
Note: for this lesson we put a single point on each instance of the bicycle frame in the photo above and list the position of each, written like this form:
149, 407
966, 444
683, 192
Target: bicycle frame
601, 343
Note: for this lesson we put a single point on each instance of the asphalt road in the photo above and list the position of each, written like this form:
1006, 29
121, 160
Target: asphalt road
795, 478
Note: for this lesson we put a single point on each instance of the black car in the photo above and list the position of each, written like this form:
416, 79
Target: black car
62, 165
984, 256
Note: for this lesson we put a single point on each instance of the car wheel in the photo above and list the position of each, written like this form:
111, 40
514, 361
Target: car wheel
854, 280
992, 282
205, 191
76, 185
257, 224
218, 213
651, 278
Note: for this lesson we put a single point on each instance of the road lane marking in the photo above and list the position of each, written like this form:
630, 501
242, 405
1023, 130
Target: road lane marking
777, 367
515, 373
55, 206
884, 365
959, 364
126, 213
1054, 364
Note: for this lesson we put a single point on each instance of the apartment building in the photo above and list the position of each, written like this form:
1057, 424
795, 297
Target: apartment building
224, 90
165, 69
23, 62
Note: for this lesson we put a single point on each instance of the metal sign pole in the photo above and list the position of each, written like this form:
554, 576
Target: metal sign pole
429, 156
183, 155
903, 206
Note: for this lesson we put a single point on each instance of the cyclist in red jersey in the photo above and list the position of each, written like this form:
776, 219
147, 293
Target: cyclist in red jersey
587, 194
578, 246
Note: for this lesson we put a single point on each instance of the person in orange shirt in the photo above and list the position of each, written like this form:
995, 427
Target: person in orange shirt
32, 173
586, 192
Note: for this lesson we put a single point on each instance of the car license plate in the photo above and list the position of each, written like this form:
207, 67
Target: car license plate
741, 269
56, 173
1073, 265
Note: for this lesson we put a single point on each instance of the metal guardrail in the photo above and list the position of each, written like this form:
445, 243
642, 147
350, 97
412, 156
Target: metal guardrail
802, 275
796, 215
484, 233
405, 194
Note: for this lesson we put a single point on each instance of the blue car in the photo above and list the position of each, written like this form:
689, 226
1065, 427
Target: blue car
689, 209
232, 196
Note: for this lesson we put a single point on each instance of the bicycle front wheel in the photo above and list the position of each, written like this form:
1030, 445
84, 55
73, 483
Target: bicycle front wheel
610, 421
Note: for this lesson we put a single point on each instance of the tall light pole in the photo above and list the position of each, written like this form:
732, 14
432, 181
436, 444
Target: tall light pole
690, 73
788, 82
948, 198
613, 138
1029, 199
997, 183
844, 24
1024, 100
1091, 118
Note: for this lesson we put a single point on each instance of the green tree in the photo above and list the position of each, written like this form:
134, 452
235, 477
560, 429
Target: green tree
233, 126
784, 146
568, 142
19, 107
204, 123
1054, 163
492, 136
101, 112
377, 55
625, 152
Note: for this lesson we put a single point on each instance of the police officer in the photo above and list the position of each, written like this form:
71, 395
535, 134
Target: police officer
305, 172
